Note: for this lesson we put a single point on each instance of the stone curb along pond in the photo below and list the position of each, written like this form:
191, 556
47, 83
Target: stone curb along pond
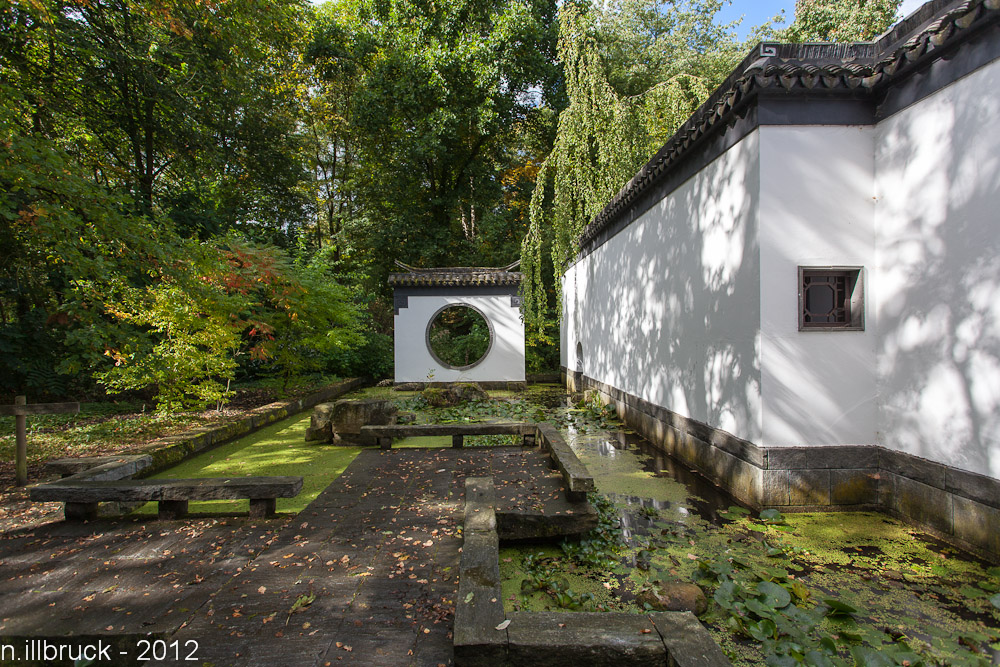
172, 450
855, 588
83, 486
486, 635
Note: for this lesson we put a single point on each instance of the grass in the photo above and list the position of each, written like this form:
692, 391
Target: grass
98, 427
279, 449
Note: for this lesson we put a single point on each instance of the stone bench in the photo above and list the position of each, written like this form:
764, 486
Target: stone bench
100, 468
82, 496
383, 435
579, 481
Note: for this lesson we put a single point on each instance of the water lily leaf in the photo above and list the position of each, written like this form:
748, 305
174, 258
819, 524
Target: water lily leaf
725, 593
993, 571
868, 657
838, 608
818, 659
771, 516
799, 590
995, 600
759, 608
773, 594
774, 573
971, 591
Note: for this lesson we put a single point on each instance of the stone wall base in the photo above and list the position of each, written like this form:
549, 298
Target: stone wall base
960, 507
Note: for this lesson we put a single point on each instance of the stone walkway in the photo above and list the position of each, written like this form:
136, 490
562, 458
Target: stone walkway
366, 574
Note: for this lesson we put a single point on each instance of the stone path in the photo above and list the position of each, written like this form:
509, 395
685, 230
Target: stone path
366, 574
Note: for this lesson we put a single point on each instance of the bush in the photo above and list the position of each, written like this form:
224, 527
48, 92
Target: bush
373, 358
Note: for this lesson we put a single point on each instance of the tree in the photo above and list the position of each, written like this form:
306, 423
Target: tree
65, 243
188, 107
634, 70
437, 94
840, 20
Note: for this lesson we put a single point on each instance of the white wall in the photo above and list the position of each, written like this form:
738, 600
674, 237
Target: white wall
503, 362
669, 308
938, 275
816, 209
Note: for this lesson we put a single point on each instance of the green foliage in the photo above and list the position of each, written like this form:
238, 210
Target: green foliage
459, 336
602, 547
184, 348
544, 574
189, 108
233, 300
427, 127
840, 20
634, 72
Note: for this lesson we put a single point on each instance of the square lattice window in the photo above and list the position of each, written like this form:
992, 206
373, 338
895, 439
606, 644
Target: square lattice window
831, 298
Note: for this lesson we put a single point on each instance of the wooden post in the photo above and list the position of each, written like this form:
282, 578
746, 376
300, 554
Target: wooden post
20, 411
21, 435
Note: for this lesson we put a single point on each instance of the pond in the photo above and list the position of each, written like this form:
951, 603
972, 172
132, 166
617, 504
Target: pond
277, 449
819, 588
822, 588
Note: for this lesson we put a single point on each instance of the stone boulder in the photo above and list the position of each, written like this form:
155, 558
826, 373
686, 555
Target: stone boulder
409, 386
675, 596
340, 422
454, 394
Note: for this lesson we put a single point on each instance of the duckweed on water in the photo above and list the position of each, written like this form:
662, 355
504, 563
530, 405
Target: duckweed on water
821, 589
278, 449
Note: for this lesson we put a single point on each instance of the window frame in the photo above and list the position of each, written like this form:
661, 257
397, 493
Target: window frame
855, 304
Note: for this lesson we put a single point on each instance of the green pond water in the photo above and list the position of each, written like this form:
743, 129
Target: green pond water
814, 589
275, 450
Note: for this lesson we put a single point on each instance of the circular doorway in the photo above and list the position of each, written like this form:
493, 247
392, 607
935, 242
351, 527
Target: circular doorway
459, 336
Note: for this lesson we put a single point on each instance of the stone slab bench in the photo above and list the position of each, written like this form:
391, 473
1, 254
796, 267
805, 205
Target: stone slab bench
82, 496
579, 481
383, 435
100, 468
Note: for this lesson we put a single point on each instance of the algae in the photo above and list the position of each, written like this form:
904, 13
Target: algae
275, 450
861, 587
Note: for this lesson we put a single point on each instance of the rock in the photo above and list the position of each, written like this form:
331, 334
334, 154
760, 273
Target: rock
462, 392
409, 386
406, 418
385, 383
341, 421
321, 433
454, 394
675, 596
436, 397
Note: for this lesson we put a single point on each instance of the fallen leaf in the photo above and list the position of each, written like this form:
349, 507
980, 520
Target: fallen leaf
503, 625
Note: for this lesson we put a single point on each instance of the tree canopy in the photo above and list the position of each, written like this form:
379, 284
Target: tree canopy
192, 193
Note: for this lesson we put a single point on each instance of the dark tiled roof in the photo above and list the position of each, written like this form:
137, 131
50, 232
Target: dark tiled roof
453, 276
834, 70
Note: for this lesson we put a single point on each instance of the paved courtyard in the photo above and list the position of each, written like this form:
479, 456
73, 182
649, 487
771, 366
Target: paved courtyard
366, 574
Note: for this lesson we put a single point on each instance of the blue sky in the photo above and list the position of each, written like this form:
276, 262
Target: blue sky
756, 12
